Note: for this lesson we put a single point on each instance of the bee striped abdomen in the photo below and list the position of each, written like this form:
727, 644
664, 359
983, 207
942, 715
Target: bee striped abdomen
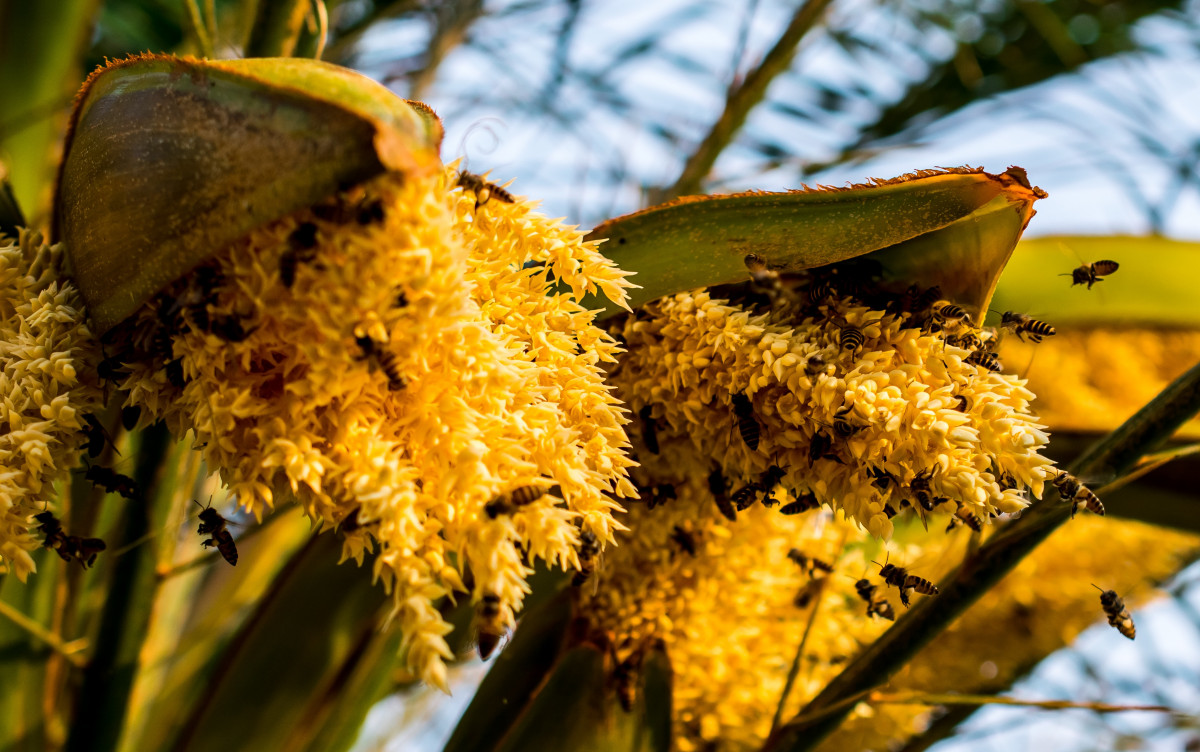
747, 423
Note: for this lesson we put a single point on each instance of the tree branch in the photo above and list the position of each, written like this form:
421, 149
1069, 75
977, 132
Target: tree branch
745, 98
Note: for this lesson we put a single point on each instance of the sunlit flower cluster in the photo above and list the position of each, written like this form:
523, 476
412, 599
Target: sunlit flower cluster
48, 383
902, 412
395, 359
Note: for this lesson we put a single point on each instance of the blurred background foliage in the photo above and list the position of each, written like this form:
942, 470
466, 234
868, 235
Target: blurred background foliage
599, 108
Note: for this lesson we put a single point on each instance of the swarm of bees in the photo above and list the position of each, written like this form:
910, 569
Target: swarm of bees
1114, 609
213, 525
1090, 274
68, 547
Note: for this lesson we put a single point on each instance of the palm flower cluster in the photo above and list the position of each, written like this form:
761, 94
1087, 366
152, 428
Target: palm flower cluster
899, 413
409, 363
48, 383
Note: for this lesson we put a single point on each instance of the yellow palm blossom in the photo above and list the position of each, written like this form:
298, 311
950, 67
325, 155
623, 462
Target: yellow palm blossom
421, 364
48, 384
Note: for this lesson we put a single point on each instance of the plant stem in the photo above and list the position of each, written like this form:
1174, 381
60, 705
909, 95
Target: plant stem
744, 99
1116, 453
919, 698
108, 678
277, 27
70, 652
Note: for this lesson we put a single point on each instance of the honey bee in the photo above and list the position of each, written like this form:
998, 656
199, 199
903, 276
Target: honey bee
174, 371
302, 244
807, 592
388, 361
763, 277
112, 481
589, 549
947, 314
489, 624
842, 425
660, 494
230, 328
483, 190
1090, 274
850, 338
966, 340
96, 435
921, 489
899, 577
821, 448
718, 488
515, 499
984, 359
1070, 489
747, 423
649, 429
746, 496
213, 525
877, 605
1021, 324
966, 517
684, 539
68, 547
1114, 609
881, 478
802, 503
815, 365
625, 677
820, 290
809, 564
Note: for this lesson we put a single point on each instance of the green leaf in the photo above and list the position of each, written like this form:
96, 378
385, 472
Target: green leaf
291, 654
220, 148
702, 241
1153, 286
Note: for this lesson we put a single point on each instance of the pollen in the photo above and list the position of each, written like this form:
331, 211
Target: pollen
48, 384
396, 359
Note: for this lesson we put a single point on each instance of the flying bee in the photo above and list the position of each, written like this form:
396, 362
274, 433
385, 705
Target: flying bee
68, 547
877, 605
850, 339
684, 539
965, 516
803, 503
660, 494
589, 549
489, 624
984, 359
649, 429
763, 277
1090, 274
747, 423
899, 577
387, 360
515, 499
112, 481
302, 245
483, 190
1021, 324
1072, 490
842, 425
213, 525
1114, 609
807, 592
809, 564
718, 488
